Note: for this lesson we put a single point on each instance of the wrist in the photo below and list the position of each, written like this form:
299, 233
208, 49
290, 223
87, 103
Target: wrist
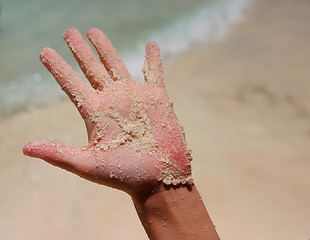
174, 212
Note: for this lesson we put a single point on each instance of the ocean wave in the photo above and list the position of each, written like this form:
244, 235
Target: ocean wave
209, 24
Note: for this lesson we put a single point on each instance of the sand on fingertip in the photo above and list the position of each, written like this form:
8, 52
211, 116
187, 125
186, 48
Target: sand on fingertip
244, 104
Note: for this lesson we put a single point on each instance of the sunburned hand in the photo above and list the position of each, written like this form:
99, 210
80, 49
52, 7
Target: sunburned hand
135, 140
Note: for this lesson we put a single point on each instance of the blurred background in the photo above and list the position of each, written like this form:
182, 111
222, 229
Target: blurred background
238, 74
28, 26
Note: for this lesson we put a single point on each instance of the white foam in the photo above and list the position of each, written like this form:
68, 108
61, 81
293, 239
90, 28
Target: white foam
209, 24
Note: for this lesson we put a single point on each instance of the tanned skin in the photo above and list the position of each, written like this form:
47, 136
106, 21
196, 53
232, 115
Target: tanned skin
136, 143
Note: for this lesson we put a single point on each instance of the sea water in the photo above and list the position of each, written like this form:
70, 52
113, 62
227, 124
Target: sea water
27, 26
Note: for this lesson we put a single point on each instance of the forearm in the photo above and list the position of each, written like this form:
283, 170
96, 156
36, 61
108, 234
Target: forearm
175, 213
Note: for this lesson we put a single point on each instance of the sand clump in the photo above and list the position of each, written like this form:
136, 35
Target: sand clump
172, 174
136, 128
147, 76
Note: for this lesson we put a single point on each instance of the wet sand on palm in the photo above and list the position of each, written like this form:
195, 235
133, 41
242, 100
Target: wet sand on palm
245, 105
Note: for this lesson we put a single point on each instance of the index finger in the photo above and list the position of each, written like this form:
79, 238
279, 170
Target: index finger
71, 83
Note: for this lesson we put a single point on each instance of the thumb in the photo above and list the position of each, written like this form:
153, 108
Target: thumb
74, 159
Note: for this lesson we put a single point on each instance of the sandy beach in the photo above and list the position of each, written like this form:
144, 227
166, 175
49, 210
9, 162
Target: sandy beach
244, 103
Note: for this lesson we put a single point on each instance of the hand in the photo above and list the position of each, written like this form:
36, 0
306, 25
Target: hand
135, 140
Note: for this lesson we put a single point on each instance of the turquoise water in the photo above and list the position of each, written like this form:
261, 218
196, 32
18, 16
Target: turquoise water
27, 26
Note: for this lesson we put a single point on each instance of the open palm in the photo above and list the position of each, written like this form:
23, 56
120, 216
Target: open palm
135, 140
